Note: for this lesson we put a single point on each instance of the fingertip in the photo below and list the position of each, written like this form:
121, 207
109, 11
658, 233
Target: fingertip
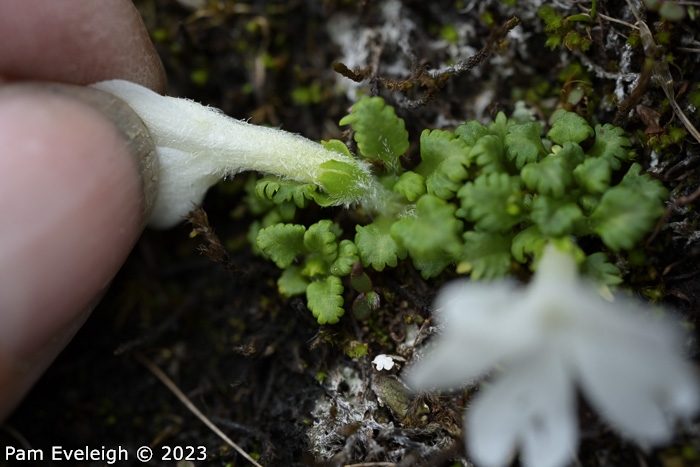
72, 207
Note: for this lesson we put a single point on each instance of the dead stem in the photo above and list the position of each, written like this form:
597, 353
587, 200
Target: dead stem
191, 407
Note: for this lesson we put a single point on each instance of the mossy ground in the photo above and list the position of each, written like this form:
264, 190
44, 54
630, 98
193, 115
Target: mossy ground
252, 360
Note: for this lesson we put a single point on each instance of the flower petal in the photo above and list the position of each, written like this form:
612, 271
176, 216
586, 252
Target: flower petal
630, 372
531, 406
481, 327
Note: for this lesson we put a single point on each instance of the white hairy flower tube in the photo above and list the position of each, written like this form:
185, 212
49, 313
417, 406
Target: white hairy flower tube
197, 146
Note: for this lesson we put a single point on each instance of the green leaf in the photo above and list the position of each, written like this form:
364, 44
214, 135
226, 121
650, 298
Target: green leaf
597, 267
553, 175
493, 201
376, 246
279, 190
347, 256
337, 146
627, 212
644, 184
624, 216
292, 282
379, 133
489, 154
320, 239
555, 217
282, 243
569, 126
485, 255
444, 162
471, 131
499, 127
528, 242
432, 266
524, 143
325, 299
611, 144
593, 175
432, 236
410, 185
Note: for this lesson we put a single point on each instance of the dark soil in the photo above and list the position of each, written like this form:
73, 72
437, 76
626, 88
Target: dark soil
252, 360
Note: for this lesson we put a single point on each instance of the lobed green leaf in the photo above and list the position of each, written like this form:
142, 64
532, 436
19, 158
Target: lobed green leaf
493, 201
553, 175
376, 246
320, 239
444, 162
347, 256
325, 299
282, 243
568, 127
611, 144
593, 175
489, 154
528, 242
471, 131
433, 232
292, 282
555, 217
524, 143
485, 255
379, 133
410, 185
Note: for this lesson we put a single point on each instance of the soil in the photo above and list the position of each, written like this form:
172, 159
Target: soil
257, 364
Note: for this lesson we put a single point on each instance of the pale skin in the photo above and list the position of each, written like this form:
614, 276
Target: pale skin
71, 197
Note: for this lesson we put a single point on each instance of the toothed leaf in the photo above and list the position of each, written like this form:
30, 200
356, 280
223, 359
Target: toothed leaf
493, 201
471, 131
593, 175
489, 154
485, 255
279, 190
431, 236
410, 185
320, 239
347, 256
611, 144
555, 217
379, 133
553, 174
569, 126
598, 268
444, 162
325, 299
524, 143
376, 246
527, 242
292, 282
282, 243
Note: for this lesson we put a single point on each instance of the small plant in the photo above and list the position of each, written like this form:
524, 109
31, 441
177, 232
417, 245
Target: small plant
482, 198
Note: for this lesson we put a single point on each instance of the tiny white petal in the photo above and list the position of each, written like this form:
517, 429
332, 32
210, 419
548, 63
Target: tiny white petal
383, 362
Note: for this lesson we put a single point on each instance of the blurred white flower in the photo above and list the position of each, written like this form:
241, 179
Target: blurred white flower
383, 362
552, 337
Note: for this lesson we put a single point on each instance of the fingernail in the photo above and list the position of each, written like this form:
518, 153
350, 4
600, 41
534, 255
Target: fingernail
128, 122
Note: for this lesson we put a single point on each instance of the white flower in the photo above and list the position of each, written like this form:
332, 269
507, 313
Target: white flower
383, 362
553, 337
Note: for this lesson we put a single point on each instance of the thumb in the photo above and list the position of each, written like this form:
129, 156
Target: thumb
72, 204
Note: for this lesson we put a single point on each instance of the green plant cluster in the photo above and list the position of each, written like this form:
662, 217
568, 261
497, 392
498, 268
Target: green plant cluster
483, 198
